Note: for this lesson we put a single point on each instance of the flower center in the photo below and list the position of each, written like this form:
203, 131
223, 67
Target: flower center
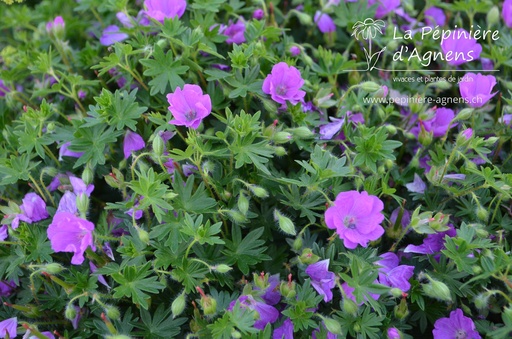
281, 90
190, 115
350, 222
461, 334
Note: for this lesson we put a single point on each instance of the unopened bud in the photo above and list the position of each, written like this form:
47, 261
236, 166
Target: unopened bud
158, 145
391, 129
307, 257
282, 137
437, 290
493, 16
112, 312
70, 312
236, 334
482, 213
401, 310
280, 151
349, 306
425, 138
370, 86
258, 191
332, 326
465, 114
243, 203
481, 301
87, 175
82, 203
50, 127
209, 305
302, 132
53, 268
143, 235
297, 243
285, 224
223, 268
178, 305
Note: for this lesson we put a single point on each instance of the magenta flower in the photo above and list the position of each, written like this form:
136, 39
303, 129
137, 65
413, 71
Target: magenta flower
285, 331
435, 16
433, 243
456, 326
111, 35
322, 279
392, 274
47, 334
324, 22
476, 89
394, 333
9, 326
294, 50
68, 203
34, 208
356, 217
467, 133
234, 32
189, 106
266, 313
507, 13
258, 14
101, 278
460, 48
271, 294
65, 152
385, 6
56, 24
69, 233
132, 142
80, 187
3, 232
284, 83
162, 9
438, 124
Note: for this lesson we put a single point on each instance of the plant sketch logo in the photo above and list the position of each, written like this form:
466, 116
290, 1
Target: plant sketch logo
367, 30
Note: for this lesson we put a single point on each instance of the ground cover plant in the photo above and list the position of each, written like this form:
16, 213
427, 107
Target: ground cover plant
255, 169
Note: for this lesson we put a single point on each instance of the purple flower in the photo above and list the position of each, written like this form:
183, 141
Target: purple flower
385, 6
417, 186
294, 50
132, 142
162, 9
271, 294
393, 275
258, 14
455, 327
69, 233
189, 106
467, 133
322, 279
56, 24
460, 47
64, 151
507, 13
101, 278
47, 334
111, 35
438, 124
3, 232
8, 326
356, 218
6, 287
285, 331
487, 64
3, 89
435, 16
433, 243
234, 32
267, 314
324, 22
68, 203
406, 217
328, 335
394, 333
32, 209
284, 83
476, 89
79, 186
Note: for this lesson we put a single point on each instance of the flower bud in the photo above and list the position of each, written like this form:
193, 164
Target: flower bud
370, 86
437, 290
112, 312
442, 84
287, 289
280, 151
481, 301
70, 312
282, 137
236, 334
482, 213
297, 243
391, 129
332, 325
258, 14
243, 203
394, 333
178, 305
236, 216
208, 304
50, 127
307, 257
87, 175
302, 132
396, 292
305, 19
465, 114
285, 224
82, 203
425, 138
158, 145
119, 336
222, 268
53, 268
143, 235
258, 191
401, 310
493, 16
349, 306
476, 269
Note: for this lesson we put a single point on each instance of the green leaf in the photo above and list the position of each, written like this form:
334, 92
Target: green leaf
134, 282
245, 252
198, 202
92, 142
165, 71
158, 324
